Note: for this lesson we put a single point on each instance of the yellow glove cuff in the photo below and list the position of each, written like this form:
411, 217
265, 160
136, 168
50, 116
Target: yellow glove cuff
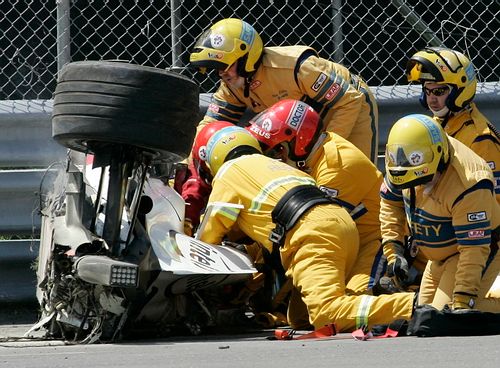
461, 301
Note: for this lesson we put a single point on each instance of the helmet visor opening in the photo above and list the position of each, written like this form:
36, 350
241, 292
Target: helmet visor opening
399, 156
398, 172
421, 69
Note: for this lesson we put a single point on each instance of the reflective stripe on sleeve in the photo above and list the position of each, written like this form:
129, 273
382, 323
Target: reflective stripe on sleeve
229, 212
264, 193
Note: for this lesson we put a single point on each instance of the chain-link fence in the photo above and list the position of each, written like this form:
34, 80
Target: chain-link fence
372, 38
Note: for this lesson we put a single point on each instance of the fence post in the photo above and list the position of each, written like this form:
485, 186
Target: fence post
175, 24
338, 47
63, 34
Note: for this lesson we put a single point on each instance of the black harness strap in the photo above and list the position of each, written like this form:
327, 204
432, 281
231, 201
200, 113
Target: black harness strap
292, 206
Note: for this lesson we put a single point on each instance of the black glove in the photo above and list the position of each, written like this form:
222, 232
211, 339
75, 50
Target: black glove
399, 270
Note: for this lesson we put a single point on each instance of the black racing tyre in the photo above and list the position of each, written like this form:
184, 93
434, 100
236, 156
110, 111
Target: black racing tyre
119, 103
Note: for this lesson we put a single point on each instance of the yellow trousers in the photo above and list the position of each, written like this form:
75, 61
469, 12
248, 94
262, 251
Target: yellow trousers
319, 254
368, 268
438, 282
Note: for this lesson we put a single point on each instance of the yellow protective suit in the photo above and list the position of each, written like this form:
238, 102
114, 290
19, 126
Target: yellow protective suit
452, 223
474, 130
319, 251
344, 172
343, 100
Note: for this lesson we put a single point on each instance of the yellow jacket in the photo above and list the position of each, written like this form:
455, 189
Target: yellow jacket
319, 252
344, 101
347, 174
454, 215
257, 183
474, 130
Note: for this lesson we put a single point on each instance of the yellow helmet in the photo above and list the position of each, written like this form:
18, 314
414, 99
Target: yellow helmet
444, 66
417, 147
229, 143
227, 41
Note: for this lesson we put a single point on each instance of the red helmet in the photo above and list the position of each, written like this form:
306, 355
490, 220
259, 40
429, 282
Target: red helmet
199, 150
291, 121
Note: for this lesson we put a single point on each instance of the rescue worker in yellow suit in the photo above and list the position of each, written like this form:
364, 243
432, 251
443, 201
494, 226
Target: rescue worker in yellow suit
256, 77
292, 131
445, 192
283, 209
449, 84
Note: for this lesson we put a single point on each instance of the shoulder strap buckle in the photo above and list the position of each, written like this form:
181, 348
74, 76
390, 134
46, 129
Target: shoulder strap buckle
277, 235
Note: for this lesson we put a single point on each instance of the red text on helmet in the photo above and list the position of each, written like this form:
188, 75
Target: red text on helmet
228, 139
215, 55
422, 172
441, 66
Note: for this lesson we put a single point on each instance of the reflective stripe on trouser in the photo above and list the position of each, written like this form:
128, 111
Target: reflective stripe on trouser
320, 250
368, 268
438, 282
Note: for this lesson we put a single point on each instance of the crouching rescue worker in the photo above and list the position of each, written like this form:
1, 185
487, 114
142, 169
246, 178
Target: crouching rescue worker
449, 85
449, 81
315, 239
292, 131
445, 193
196, 188
256, 77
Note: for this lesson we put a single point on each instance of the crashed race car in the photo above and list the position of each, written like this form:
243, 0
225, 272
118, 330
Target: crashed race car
114, 262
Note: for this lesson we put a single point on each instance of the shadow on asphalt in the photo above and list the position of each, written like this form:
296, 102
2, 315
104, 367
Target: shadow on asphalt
12, 313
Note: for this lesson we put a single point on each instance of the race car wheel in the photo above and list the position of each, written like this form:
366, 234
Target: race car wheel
103, 102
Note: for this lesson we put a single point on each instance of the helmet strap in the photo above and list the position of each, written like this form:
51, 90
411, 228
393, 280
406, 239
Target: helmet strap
300, 164
241, 69
205, 176
246, 89
242, 73
319, 142
316, 140
444, 113
442, 165
240, 66
423, 99
444, 120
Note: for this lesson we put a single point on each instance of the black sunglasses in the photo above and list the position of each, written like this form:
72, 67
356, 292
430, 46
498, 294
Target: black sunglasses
439, 91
